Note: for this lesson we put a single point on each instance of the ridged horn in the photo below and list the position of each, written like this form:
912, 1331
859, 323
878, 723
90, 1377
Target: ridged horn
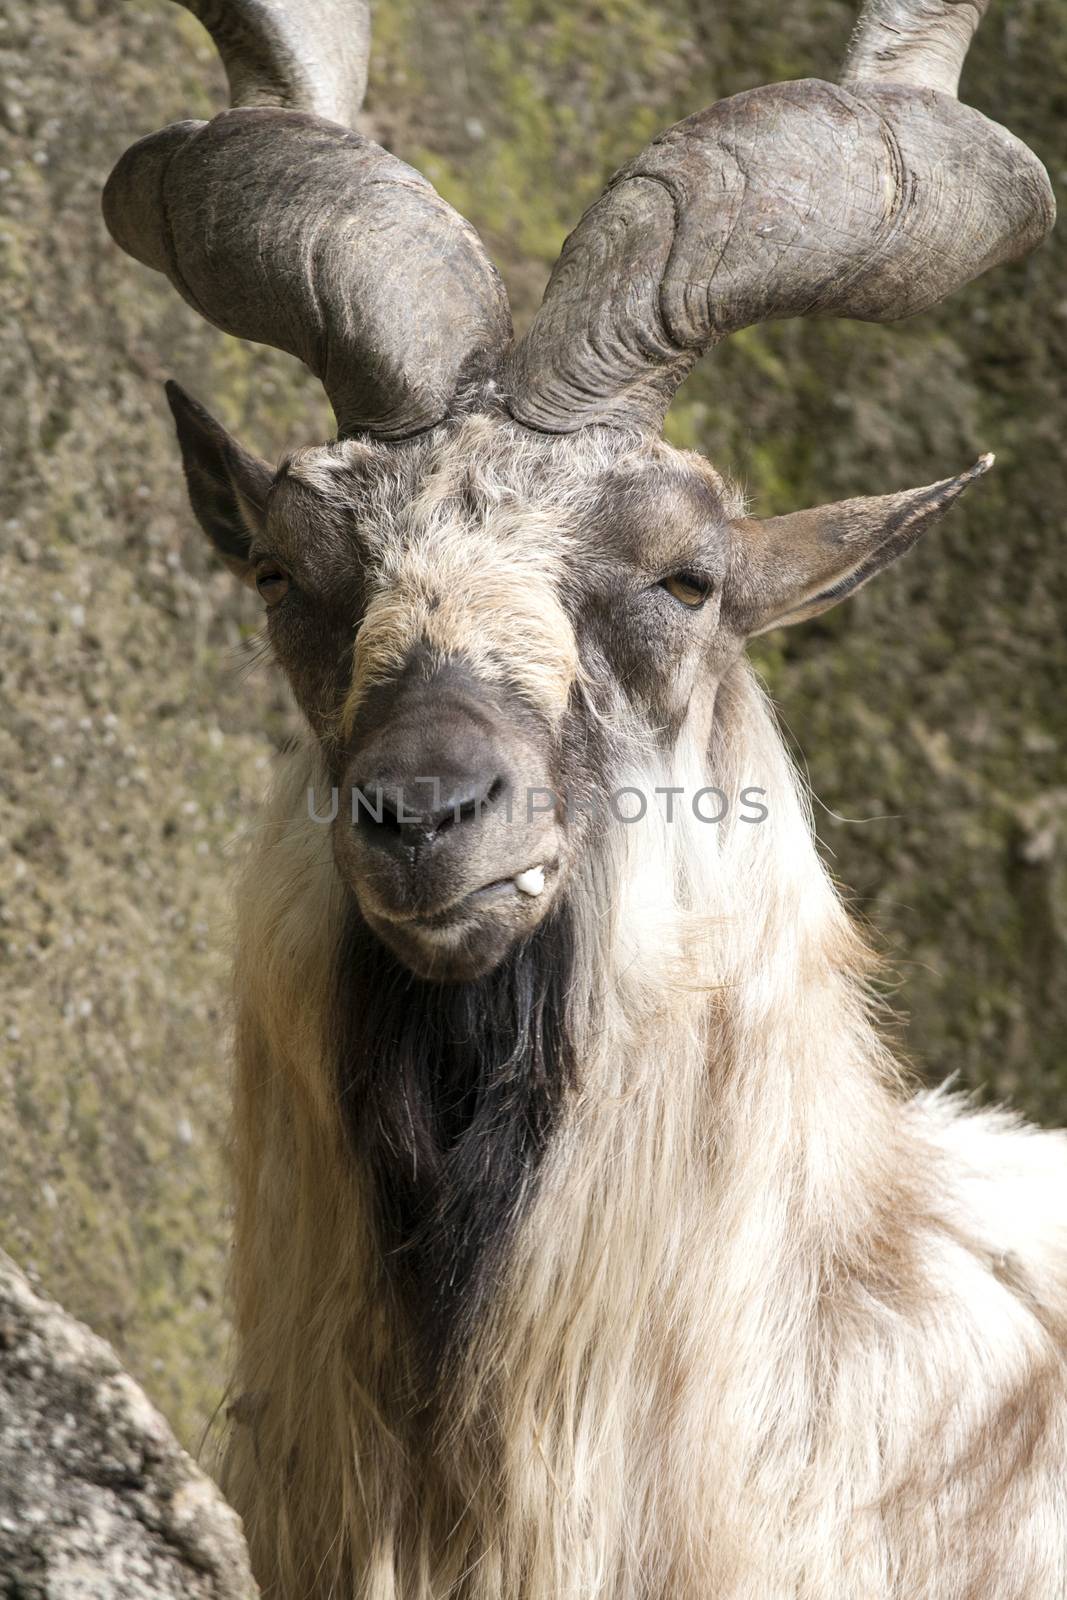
871, 200
281, 226
301, 55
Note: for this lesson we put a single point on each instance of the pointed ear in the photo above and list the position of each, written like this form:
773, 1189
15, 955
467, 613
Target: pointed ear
787, 569
227, 484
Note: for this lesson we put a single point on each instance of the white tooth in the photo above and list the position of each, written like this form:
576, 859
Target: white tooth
532, 881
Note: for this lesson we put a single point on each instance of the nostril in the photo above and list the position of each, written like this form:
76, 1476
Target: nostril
398, 815
373, 807
389, 815
468, 806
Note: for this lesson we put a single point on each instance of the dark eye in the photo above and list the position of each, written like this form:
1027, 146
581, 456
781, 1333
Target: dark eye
272, 582
687, 587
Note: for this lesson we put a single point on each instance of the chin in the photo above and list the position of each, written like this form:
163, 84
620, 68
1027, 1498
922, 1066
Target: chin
465, 945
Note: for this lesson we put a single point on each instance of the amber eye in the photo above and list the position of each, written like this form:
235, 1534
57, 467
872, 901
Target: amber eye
688, 588
272, 582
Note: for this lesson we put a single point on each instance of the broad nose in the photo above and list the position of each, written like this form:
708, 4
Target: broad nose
437, 827
404, 811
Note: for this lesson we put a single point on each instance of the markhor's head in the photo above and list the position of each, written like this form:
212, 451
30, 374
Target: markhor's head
499, 587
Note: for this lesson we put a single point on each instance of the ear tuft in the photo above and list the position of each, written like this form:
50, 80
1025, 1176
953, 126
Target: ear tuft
227, 484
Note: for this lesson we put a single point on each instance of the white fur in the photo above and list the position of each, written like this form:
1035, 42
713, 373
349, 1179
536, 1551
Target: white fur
768, 1329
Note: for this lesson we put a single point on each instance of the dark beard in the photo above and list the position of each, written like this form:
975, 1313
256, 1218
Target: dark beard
450, 1094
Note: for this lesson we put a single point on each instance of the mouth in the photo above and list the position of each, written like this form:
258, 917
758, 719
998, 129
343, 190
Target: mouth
467, 937
521, 887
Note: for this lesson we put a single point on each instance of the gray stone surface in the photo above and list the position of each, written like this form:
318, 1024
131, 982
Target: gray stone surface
97, 1500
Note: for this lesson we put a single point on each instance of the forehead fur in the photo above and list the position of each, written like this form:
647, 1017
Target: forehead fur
656, 516
478, 462
470, 539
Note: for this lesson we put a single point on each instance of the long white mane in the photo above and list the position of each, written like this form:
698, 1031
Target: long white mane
766, 1328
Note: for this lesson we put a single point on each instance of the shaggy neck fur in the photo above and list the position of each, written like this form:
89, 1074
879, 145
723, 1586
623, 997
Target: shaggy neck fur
450, 1094
751, 1334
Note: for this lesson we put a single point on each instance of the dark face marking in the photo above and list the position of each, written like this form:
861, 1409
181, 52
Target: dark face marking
311, 630
653, 526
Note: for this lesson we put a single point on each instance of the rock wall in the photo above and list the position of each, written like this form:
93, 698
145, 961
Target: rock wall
136, 722
97, 1501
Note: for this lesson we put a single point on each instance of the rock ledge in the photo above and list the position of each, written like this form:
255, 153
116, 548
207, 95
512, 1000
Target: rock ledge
97, 1499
